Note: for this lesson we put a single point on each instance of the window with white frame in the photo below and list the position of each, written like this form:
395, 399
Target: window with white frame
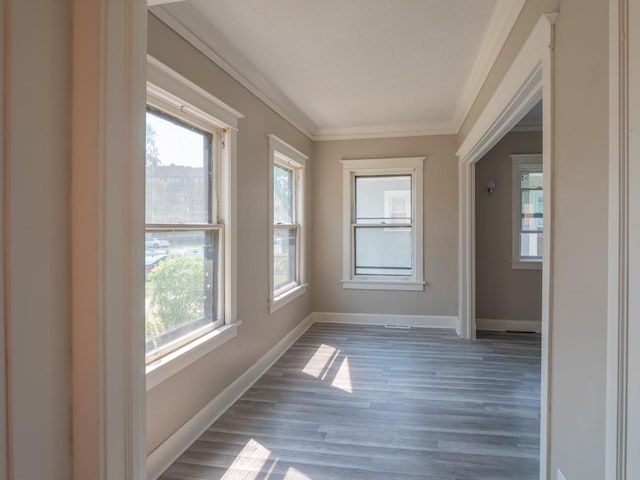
527, 207
382, 224
189, 230
286, 232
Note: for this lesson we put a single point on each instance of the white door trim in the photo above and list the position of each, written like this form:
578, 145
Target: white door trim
107, 181
617, 448
527, 81
4, 263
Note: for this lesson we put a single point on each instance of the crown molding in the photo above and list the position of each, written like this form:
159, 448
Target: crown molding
190, 25
384, 131
504, 17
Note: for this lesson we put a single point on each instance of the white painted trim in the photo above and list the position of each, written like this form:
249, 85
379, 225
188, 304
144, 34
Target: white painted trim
504, 16
418, 321
284, 154
5, 189
618, 318
466, 327
413, 166
376, 284
519, 162
528, 80
151, 3
107, 235
191, 26
384, 131
167, 366
502, 325
518, 92
169, 87
163, 456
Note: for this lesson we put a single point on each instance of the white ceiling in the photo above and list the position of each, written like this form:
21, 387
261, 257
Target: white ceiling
353, 68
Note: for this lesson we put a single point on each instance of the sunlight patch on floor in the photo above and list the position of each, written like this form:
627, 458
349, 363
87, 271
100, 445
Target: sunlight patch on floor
321, 362
293, 474
249, 461
342, 380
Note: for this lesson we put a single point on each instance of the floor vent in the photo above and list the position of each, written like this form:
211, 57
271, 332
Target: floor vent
397, 325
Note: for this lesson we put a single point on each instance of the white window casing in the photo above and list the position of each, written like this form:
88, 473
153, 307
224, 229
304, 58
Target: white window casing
521, 163
394, 202
284, 155
169, 92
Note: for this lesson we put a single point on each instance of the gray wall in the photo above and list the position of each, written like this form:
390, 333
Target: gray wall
37, 227
440, 228
172, 403
501, 292
579, 235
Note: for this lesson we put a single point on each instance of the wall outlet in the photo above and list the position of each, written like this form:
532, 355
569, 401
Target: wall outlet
560, 475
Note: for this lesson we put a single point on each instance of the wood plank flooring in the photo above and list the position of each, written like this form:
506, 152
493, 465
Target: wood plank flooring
362, 402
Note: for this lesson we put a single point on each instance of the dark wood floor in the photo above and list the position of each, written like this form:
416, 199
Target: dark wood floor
355, 402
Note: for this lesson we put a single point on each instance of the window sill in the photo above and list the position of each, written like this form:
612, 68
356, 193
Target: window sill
526, 264
406, 285
281, 300
165, 367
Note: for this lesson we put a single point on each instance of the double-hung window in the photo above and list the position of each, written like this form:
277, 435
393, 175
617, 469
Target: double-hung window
383, 224
286, 232
527, 207
184, 264
189, 230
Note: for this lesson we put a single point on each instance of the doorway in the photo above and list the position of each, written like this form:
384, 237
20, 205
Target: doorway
527, 81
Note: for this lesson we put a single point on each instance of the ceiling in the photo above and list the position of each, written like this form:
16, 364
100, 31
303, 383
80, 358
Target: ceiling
353, 68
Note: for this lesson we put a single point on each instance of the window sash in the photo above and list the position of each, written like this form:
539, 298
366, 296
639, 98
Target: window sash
213, 207
368, 223
172, 346
280, 290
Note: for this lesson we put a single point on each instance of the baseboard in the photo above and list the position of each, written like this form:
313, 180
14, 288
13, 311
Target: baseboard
418, 321
497, 325
169, 451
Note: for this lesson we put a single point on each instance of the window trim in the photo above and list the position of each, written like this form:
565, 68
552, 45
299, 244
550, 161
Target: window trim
518, 162
289, 157
413, 166
171, 93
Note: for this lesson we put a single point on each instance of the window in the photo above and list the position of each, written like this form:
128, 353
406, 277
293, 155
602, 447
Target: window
528, 207
189, 228
184, 264
383, 224
286, 232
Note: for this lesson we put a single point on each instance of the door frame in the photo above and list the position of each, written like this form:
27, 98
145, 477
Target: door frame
528, 80
107, 236
621, 349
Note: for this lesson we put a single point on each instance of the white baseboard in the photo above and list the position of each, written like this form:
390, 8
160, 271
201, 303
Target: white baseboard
419, 321
169, 451
496, 325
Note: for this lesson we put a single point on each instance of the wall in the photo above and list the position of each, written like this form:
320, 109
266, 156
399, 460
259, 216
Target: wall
440, 228
36, 222
501, 292
168, 406
579, 235
579, 276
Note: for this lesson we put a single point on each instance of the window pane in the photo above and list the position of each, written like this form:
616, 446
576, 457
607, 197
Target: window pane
178, 172
383, 251
530, 179
282, 195
383, 199
531, 245
284, 257
532, 208
181, 288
